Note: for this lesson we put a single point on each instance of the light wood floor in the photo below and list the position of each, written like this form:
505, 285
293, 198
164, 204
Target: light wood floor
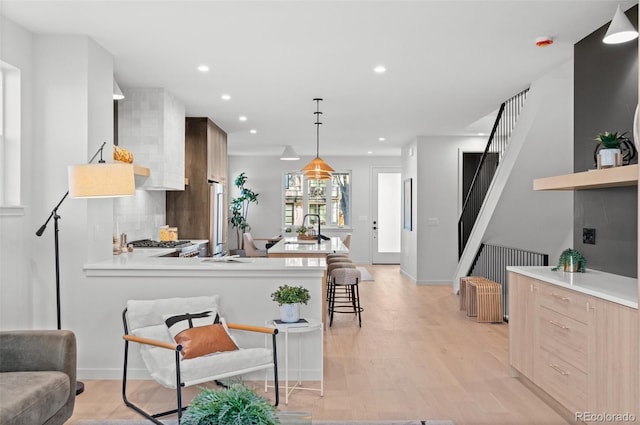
416, 357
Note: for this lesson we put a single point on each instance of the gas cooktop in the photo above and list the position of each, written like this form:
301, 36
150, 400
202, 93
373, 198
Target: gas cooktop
148, 243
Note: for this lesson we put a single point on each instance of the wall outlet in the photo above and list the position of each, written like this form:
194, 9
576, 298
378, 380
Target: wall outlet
589, 236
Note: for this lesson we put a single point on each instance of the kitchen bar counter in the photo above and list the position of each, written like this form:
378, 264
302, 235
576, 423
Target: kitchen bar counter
611, 287
146, 263
292, 247
244, 287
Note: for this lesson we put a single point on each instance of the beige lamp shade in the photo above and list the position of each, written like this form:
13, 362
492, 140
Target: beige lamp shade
101, 180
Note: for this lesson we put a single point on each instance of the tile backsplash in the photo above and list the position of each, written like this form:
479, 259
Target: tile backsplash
140, 216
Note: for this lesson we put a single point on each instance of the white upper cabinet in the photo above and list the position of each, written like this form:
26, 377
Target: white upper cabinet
151, 125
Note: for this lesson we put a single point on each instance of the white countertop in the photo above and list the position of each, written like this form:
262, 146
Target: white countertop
146, 262
611, 287
289, 245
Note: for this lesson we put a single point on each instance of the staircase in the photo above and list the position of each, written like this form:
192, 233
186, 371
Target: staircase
483, 181
491, 158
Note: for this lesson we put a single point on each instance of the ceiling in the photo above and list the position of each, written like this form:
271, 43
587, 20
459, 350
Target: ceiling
449, 63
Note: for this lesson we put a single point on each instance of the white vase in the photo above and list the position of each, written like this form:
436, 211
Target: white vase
290, 313
608, 158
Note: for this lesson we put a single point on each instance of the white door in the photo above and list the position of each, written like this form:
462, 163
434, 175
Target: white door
386, 213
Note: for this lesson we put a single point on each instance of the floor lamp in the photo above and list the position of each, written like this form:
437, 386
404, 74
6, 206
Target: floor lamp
99, 180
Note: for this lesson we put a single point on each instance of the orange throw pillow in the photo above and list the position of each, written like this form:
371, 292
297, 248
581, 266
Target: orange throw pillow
203, 340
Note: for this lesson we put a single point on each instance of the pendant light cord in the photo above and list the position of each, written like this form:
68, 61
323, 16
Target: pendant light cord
318, 123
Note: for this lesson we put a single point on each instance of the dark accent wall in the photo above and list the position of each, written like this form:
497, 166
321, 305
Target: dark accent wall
605, 98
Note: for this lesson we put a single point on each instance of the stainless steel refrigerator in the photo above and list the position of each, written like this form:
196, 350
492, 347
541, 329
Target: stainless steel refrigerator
216, 218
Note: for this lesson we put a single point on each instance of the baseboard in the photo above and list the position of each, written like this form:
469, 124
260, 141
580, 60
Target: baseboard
566, 414
434, 282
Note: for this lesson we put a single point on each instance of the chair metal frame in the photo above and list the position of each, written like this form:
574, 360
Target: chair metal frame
179, 384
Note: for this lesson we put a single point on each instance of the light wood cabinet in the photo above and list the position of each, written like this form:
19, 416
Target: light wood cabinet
564, 322
522, 313
579, 349
216, 153
615, 387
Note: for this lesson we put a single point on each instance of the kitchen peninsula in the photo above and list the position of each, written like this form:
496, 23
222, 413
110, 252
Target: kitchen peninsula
293, 247
244, 287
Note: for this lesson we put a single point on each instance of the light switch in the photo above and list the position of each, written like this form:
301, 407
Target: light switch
433, 221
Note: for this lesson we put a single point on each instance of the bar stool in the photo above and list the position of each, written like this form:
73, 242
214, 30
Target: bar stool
347, 277
336, 264
337, 255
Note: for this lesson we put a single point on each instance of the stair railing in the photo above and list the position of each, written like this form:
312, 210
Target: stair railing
496, 146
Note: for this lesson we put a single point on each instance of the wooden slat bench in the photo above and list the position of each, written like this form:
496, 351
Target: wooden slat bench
481, 298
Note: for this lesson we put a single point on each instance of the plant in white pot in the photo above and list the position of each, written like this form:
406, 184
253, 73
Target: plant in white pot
289, 299
608, 151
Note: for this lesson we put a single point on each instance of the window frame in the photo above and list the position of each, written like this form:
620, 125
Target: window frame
305, 200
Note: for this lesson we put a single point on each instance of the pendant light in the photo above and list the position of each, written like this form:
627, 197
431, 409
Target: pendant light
289, 154
317, 168
620, 29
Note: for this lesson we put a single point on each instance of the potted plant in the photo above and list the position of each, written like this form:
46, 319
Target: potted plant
236, 404
608, 149
289, 299
240, 209
571, 261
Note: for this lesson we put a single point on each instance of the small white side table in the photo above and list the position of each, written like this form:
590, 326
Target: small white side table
314, 325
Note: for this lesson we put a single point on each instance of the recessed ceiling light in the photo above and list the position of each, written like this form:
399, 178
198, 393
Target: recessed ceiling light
380, 69
482, 134
203, 68
253, 131
369, 152
381, 139
225, 97
242, 118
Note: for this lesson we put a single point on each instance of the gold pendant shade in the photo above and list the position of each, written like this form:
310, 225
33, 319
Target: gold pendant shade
317, 168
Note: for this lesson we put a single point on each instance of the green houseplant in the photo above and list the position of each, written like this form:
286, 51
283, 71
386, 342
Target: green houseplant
611, 140
235, 405
609, 149
571, 260
289, 299
240, 208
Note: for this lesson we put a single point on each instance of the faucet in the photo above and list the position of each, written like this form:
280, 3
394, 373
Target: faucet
304, 219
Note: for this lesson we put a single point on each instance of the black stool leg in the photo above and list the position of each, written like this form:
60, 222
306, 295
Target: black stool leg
357, 296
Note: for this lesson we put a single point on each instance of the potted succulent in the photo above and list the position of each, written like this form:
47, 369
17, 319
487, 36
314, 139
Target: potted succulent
289, 299
236, 404
240, 210
571, 261
608, 149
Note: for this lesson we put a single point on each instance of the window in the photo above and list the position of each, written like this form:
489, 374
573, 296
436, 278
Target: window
9, 138
327, 198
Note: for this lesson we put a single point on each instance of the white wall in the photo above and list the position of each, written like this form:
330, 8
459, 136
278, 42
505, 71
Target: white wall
265, 176
436, 196
17, 231
540, 221
409, 238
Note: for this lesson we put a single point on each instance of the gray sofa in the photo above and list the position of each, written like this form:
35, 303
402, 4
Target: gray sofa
37, 376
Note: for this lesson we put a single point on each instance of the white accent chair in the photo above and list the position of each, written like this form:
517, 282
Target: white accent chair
250, 247
144, 326
347, 241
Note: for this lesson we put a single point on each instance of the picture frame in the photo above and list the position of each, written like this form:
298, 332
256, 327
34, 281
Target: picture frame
407, 204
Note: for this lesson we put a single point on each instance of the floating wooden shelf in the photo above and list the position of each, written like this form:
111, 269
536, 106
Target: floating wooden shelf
139, 170
596, 179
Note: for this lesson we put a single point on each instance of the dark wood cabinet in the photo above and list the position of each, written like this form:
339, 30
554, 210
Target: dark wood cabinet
205, 160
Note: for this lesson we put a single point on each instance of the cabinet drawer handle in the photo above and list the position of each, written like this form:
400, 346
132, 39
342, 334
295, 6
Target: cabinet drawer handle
558, 369
558, 325
560, 297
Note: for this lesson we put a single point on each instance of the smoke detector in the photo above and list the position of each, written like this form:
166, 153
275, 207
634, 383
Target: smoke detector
544, 41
